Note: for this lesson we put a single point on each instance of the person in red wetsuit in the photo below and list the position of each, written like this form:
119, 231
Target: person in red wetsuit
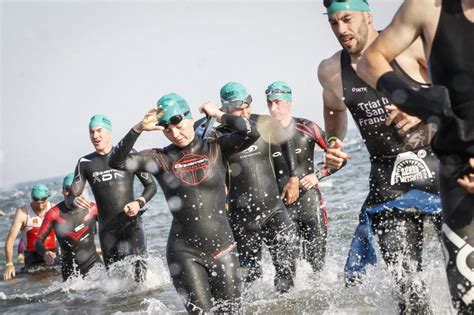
75, 230
28, 219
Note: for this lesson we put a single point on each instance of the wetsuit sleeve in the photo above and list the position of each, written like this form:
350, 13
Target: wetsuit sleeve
77, 186
426, 103
321, 170
45, 229
122, 157
149, 185
245, 133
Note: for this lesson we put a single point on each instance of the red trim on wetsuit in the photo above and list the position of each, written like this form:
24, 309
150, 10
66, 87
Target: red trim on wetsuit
318, 136
222, 251
322, 204
93, 212
301, 127
161, 160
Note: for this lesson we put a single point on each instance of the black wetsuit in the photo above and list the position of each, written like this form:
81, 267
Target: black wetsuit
201, 250
452, 65
119, 234
75, 230
308, 212
256, 213
401, 165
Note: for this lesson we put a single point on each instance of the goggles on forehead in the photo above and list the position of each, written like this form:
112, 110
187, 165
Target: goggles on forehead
276, 91
174, 120
327, 3
236, 103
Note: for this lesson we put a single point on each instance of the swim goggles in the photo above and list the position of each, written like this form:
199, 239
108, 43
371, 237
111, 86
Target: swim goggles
40, 199
327, 3
174, 120
236, 103
276, 91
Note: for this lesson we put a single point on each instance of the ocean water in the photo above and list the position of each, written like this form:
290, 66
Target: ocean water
115, 292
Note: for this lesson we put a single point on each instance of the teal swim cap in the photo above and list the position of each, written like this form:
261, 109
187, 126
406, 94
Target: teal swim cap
67, 181
100, 121
279, 90
173, 104
333, 6
39, 191
234, 94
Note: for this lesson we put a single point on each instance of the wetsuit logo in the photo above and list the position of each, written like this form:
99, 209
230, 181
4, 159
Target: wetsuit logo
410, 167
251, 149
373, 111
105, 176
192, 169
250, 152
359, 89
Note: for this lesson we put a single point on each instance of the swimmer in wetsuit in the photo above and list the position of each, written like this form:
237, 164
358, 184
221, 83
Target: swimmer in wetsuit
403, 177
121, 229
446, 29
28, 219
75, 230
201, 250
308, 212
256, 212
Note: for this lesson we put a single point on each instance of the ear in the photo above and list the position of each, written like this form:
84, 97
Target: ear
370, 17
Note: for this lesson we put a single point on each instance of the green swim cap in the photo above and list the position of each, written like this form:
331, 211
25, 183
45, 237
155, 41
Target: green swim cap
67, 181
234, 94
334, 6
173, 104
279, 90
39, 191
100, 121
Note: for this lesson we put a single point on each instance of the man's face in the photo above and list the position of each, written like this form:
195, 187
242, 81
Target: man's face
351, 29
40, 204
101, 138
279, 109
181, 134
244, 111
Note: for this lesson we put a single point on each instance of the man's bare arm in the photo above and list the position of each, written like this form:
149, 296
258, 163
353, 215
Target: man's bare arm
18, 223
404, 29
335, 116
335, 111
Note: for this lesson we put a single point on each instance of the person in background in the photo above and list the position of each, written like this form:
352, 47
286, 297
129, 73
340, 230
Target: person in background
28, 219
308, 212
256, 212
121, 228
75, 230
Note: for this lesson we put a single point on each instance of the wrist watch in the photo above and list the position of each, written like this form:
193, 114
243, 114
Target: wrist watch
141, 203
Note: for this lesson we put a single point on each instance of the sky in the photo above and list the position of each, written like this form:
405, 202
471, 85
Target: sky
64, 61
